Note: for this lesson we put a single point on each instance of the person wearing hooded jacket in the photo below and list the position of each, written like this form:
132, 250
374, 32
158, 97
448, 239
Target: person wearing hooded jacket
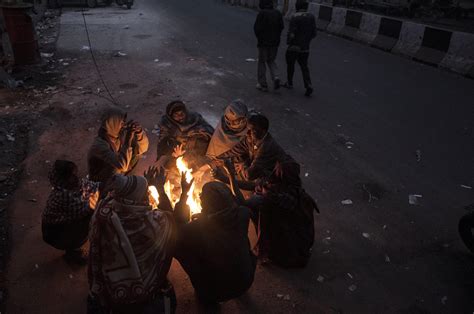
301, 31
184, 130
268, 27
117, 147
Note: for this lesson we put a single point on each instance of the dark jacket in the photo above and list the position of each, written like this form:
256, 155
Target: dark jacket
268, 27
301, 31
260, 158
215, 252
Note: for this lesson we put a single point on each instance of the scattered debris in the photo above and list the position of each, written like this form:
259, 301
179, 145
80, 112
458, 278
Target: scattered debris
279, 296
65, 64
326, 240
418, 155
10, 138
347, 202
326, 252
366, 235
33, 200
71, 276
46, 55
86, 48
466, 186
120, 54
156, 60
320, 279
387, 259
126, 27
36, 266
352, 288
250, 60
444, 300
350, 275
286, 297
384, 227
413, 199
306, 174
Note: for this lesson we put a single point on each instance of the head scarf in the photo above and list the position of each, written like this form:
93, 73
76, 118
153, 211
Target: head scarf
63, 175
111, 127
218, 196
132, 188
224, 138
235, 111
175, 106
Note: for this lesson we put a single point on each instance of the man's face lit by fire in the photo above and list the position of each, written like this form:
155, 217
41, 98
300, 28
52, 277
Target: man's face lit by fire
255, 133
179, 116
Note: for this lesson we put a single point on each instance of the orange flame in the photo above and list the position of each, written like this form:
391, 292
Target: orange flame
193, 200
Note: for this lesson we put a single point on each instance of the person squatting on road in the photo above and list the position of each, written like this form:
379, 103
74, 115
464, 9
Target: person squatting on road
268, 27
301, 31
257, 154
282, 212
131, 249
65, 220
183, 132
232, 128
116, 149
213, 247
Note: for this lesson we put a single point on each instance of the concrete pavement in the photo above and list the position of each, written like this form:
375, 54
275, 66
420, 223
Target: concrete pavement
389, 107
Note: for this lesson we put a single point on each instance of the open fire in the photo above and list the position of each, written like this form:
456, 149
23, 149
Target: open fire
174, 191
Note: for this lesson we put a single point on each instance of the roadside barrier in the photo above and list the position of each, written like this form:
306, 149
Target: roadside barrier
452, 50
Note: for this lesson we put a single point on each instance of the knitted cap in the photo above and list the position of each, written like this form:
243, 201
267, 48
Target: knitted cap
129, 187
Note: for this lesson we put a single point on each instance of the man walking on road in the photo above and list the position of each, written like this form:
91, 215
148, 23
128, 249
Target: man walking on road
268, 28
301, 31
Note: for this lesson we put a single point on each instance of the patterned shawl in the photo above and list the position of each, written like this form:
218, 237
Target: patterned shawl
130, 252
65, 206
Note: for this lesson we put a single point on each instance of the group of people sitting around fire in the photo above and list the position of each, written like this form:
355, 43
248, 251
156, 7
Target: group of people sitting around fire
132, 244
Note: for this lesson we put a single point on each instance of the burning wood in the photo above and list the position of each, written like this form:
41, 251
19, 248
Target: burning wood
173, 192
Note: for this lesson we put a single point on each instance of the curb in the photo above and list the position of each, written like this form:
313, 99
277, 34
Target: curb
451, 50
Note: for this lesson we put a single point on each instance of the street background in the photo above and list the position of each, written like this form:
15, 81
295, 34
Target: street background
377, 129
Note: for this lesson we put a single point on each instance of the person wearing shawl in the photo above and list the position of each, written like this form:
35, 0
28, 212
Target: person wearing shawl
65, 220
131, 248
117, 147
184, 129
282, 212
214, 248
230, 131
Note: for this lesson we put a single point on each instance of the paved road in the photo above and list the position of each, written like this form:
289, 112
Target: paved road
388, 106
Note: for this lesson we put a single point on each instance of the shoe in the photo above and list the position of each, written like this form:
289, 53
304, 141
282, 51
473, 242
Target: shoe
309, 91
262, 88
288, 85
276, 84
77, 257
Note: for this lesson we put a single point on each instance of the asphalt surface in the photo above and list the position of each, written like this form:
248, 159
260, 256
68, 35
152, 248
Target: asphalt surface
378, 255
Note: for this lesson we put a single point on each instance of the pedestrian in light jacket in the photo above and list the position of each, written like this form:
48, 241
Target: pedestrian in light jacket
268, 27
301, 31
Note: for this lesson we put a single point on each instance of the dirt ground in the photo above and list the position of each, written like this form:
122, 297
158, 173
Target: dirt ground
412, 262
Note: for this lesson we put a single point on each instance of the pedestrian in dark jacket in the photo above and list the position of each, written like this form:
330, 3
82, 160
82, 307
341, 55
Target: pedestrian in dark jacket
301, 31
257, 154
186, 130
268, 27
